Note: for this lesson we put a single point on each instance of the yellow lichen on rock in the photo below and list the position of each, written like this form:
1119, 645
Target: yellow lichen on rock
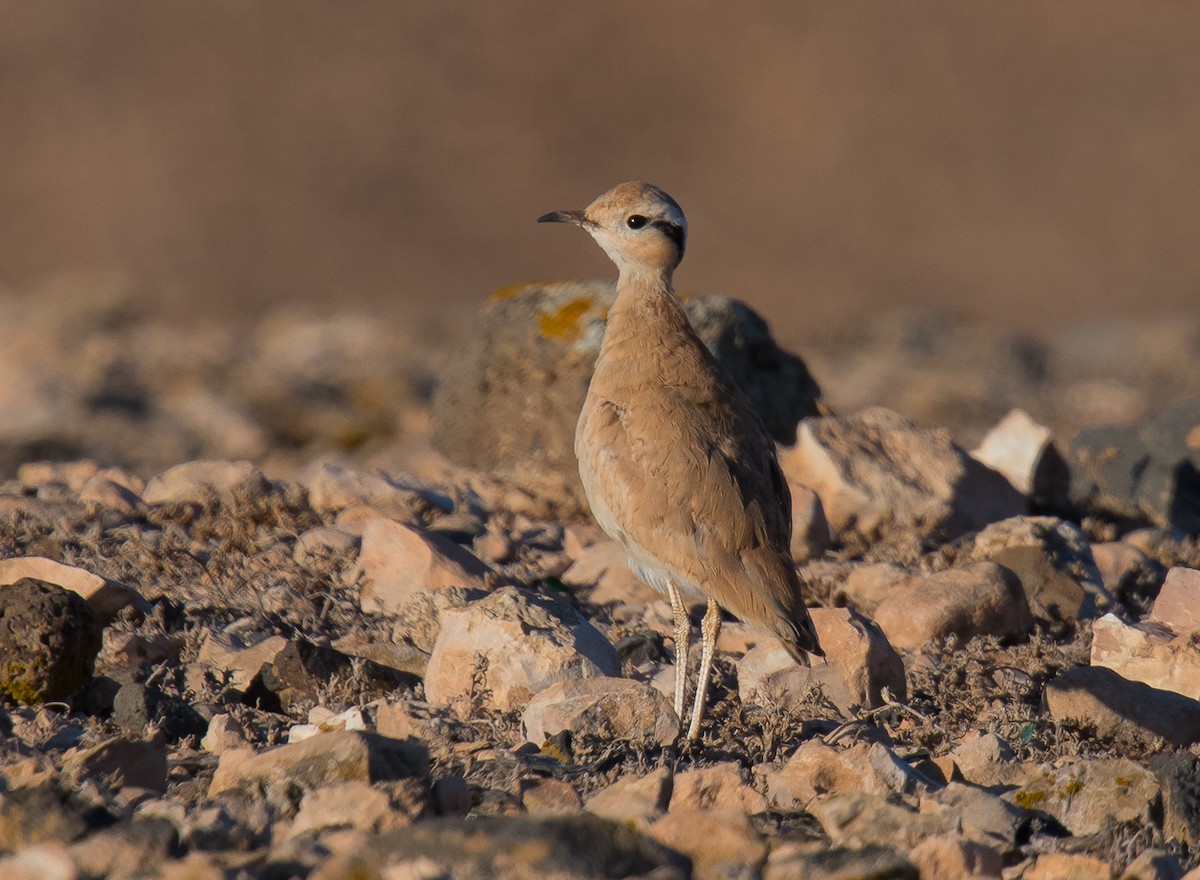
563, 322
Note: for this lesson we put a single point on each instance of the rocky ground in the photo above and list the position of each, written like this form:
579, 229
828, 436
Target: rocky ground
394, 646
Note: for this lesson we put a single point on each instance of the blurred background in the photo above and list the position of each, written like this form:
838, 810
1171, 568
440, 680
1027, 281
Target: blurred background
1031, 164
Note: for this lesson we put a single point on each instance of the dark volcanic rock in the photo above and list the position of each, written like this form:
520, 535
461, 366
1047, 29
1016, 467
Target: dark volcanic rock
136, 706
1146, 470
49, 638
509, 404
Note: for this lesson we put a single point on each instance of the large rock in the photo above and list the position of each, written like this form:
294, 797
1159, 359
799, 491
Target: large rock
1123, 709
1145, 470
720, 843
605, 708
106, 597
634, 800
982, 599
1087, 795
1148, 652
816, 769
322, 760
509, 404
859, 664
876, 472
505, 648
49, 639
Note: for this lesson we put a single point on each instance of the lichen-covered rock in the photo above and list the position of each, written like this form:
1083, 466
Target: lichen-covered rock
509, 404
49, 639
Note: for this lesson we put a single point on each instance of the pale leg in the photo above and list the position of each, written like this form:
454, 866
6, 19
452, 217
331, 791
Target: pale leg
683, 635
710, 628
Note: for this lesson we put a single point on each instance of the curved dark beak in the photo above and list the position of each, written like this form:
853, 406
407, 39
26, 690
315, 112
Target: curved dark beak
576, 217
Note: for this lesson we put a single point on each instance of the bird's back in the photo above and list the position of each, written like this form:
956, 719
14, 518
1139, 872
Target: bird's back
678, 468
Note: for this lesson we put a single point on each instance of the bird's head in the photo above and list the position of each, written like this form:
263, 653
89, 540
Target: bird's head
638, 225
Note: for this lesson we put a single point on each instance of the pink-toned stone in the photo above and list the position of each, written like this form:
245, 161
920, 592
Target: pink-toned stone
866, 586
106, 597
1125, 570
637, 800
507, 647
1023, 451
1087, 795
1149, 652
720, 843
1068, 866
196, 480
549, 797
981, 599
603, 566
1119, 708
332, 488
325, 541
859, 663
816, 769
608, 708
1178, 602
396, 560
718, 787
355, 804
949, 857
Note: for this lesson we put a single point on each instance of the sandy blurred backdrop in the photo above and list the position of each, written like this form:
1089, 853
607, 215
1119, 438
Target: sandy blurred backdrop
1027, 162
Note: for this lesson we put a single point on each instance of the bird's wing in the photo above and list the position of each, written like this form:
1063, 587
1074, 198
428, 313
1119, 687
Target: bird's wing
690, 476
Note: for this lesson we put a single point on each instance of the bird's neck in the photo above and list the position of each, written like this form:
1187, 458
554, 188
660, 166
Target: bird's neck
645, 298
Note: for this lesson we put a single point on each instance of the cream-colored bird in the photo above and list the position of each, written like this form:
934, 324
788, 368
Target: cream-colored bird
675, 462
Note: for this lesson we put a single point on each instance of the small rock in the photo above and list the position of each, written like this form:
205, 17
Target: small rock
1053, 559
332, 488
240, 660
342, 756
112, 495
1154, 864
197, 481
985, 759
1121, 708
1087, 795
224, 733
1178, 602
396, 560
859, 664
49, 639
720, 787
982, 599
949, 857
301, 670
859, 819
876, 472
1145, 470
634, 800
106, 597
605, 708
322, 720
1068, 866
137, 707
355, 804
549, 797
398, 656
125, 849
48, 861
720, 843
1022, 450
1126, 571
977, 814
39, 813
816, 769
129, 650
137, 763
866, 586
509, 646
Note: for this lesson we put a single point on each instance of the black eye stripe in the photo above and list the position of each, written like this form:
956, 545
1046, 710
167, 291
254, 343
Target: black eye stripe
672, 231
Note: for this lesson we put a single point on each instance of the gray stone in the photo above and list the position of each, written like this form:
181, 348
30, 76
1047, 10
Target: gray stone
509, 404
1146, 470
1179, 781
605, 708
49, 639
791, 862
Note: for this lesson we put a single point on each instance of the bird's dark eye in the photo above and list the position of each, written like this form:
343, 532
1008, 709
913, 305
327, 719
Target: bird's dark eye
635, 221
